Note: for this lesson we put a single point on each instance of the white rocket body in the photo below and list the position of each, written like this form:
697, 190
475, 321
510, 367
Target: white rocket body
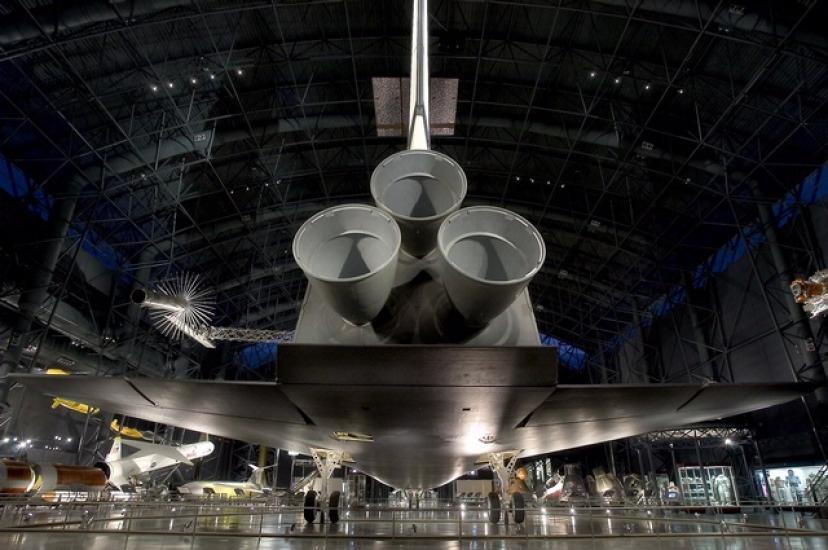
149, 458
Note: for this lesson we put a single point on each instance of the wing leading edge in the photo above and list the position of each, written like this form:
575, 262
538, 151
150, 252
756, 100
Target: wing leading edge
429, 419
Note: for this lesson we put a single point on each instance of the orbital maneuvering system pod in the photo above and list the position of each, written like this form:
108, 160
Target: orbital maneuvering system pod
364, 263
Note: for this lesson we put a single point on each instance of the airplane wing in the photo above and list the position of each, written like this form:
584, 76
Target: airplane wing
147, 449
430, 410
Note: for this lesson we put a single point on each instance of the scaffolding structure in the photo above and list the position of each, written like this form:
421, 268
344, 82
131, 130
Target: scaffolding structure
640, 153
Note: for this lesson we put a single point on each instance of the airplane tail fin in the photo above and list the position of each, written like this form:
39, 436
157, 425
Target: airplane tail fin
115, 451
257, 476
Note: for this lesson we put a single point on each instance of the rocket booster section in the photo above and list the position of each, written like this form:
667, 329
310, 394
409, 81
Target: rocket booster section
18, 477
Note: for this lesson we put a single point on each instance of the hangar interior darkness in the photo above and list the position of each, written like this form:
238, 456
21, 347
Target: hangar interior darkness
670, 155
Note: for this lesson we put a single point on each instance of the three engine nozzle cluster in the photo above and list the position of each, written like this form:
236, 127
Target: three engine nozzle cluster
350, 253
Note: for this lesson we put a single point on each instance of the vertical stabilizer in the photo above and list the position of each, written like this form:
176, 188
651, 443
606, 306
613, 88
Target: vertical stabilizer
257, 476
115, 451
418, 124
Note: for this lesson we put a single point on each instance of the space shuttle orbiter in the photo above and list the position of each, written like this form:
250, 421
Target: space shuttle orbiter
416, 353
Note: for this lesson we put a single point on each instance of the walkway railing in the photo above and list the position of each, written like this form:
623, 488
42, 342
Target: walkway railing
245, 519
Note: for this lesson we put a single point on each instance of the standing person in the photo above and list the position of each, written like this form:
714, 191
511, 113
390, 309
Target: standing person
794, 484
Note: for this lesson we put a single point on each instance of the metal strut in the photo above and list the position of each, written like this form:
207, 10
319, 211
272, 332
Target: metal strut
326, 461
234, 334
501, 470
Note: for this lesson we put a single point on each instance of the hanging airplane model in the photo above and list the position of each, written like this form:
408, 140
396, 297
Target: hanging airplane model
417, 355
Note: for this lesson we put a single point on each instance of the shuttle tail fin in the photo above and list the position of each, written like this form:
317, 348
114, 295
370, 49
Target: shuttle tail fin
419, 128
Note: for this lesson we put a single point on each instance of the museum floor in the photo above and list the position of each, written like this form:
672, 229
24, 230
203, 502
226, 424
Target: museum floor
67, 541
196, 526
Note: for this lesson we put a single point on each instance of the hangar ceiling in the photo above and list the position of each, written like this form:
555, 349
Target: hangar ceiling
634, 134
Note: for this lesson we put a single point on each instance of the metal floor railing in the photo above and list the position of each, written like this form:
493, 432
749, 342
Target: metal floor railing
257, 519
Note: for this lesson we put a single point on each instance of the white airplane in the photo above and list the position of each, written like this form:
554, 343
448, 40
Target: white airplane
254, 486
149, 457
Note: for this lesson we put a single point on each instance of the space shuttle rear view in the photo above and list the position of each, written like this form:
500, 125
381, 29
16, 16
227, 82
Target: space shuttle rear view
121, 471
416, 354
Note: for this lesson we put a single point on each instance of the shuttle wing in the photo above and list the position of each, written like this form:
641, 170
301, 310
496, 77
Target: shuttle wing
430, 410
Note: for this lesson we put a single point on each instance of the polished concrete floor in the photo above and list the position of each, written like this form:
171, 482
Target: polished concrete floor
140, 527
69, 541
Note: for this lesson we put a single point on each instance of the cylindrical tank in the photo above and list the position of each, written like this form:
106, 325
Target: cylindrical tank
16, 477
490, 254
65, 477
349, 254
419, 189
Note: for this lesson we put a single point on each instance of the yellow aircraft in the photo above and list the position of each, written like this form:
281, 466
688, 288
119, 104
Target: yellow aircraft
82, 408
126, 431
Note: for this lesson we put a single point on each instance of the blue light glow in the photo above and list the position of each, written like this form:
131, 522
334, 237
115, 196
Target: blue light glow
570, 356
812, 189
256, 355
14, 182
